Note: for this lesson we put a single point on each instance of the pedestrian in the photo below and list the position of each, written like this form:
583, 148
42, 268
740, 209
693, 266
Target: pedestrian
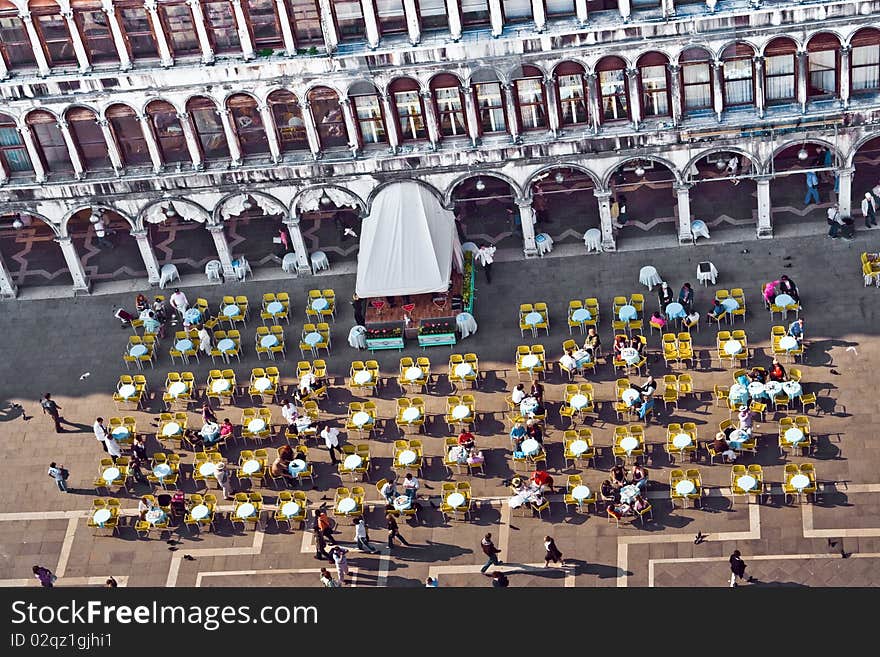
101, 433
733, 168
113, 448
431, 583
393, 531
359, 306
224, 480
499, 579
325, 526
869, 210
331, 441
486, 256
178, 301
361, 537
320, 545
614, 209
552, 552
111, 583
47, 579
338, 555
737, 568
60, 474
51, 408
812, 188
490, 551
101, 240
327, 580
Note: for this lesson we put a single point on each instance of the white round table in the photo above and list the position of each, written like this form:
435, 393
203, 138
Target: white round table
199, 512
783, 300
154, 516
402, 502
739, 393
346, 505
407, 457
289, 509
463, 369
627, 313
730, 304
578, 447
231, 310
578, 401
120, 433
737, 438
192, 316
580, 492
630, 356
171, 429
533, 318
352, 461
681, 440
274, 307
799, 481
747, 482
251, 466
268, 341
208, 469
628, 443
162, 470
177, 388
296, 466
530, 361
413, 373
137, 350
792, 388
362, 376
245, 510
732, 347
581, 315
312, 338
103, 515
756, 389
183, 345
460, 412
455, 500
516, 502
319, 304
675, 310
629, 396
410, 414
360, 418
256, 425
219, 385
530, 447
263, 384
127, 390
629, 493
794, 435
685, 487
773, 388
788, 343
649, 277
226, 345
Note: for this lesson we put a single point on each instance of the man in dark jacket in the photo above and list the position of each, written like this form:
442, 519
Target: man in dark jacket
490, 551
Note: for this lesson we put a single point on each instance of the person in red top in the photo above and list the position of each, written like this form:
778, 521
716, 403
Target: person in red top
777, 372
543, 478
466, 439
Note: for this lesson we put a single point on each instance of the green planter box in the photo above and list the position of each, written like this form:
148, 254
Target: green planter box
437, 339
374, 344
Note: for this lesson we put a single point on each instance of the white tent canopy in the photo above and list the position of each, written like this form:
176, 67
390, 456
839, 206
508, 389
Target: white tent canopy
407, 244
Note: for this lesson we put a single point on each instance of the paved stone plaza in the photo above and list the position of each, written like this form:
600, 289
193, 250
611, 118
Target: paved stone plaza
49, 344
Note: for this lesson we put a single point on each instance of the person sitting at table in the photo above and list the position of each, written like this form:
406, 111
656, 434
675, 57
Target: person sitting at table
648, 388
657, 320
518, 393
466, 439
537, 392
410, 486
178, 507
646, 407
568, 361
458, 453
210, 432
664, 296
796, 330
769, 293
518, 432
592, 343
746, 419
619, 344
280, 467
139, 447
758, 375
543, 480
722, 447
389, 491
516, 485
474, 456
787, 286
141, 303
635, 342
205, 340
618, 476
134, 469
640, 504
226, 429
607, 492
691, 320
686, 297
144, 506
716, 311
307, 384
153, 325
534, 431
160, 309
777, 371
639, 477
290, 415
286, 452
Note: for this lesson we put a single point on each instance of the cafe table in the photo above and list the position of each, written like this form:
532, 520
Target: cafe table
360, 418
460, 412
362, 377
578, 401
530, 447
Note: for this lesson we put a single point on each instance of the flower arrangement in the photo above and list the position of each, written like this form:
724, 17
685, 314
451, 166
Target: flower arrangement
436, 326
384, 332
467, 288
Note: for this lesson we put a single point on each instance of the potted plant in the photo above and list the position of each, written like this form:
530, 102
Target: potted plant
436, 331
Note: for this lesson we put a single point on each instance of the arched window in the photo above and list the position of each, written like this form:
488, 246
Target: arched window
572, 94
50, 142
530, 101
328, 117
54, 35
137, 28
248, 123
209, 128
410, 112
168, 131
288, 121
94, 26
13, 153
432, 15
865, 60
517, 11
555, 8
221, 26
739, 78
306, 17
823, 52
369, 113
129, 136
474, 12
449, 105
15, 45
490, 102
696, 79
654, 84
349, 17
613, 93
780, 71
89, 139
391, 16
179, 27
264, 24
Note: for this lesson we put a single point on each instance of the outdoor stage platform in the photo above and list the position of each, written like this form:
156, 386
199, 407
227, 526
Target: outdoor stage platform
424, 306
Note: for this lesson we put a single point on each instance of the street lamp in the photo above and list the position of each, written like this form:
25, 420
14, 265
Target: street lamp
640, 170
96, 216
559, 177
17, 223
325, 200
247, 205
802, 154
170, 211
480, 185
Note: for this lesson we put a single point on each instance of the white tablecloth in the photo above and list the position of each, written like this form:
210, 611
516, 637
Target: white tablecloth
544, 243
362, 376
360, 418
593, 240
709, 275
466, 324
649, 277
357, 337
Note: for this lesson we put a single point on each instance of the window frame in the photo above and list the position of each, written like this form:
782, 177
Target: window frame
25, 45
621, 68
8, 123
442, 82
47, 12
130, 5
123, 136
165, 151
382, 134
781, 48
542, 103
210, 28
291, 102
169, 32
654, 60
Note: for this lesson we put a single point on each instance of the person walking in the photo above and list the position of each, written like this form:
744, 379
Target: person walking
341, 561
320, 545
51, 408
491, 553
393, 531
812, 189
486, 256
327, 580
738, 569
60, 474
361, 537
869, 210
552, 552
331, 441
46, 577
325, 526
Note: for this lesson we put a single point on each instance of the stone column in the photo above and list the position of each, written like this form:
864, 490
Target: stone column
802, 80
34, 152
161, 40
635, 98
82, 57
844, 193
72, 150
271, 132
146, 249
765, 222
116, 31
675, 93
496, 17
473, 116
606, 223
371, 22
431, 118
390, 122
350, 126
413, 26
539, 14
222, 247
201, 31
244, 35
112, 148
4, 71
311, 130
74, 265
683, 195
717, 93
759, 86
845, 59
231, 137
152, 145
39, 55
454, 13
625, 9
8, 289
328, 26
512, 115
552, 105
299, 245
192, 141
580, 7
593, 98
526, 218
667, 7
